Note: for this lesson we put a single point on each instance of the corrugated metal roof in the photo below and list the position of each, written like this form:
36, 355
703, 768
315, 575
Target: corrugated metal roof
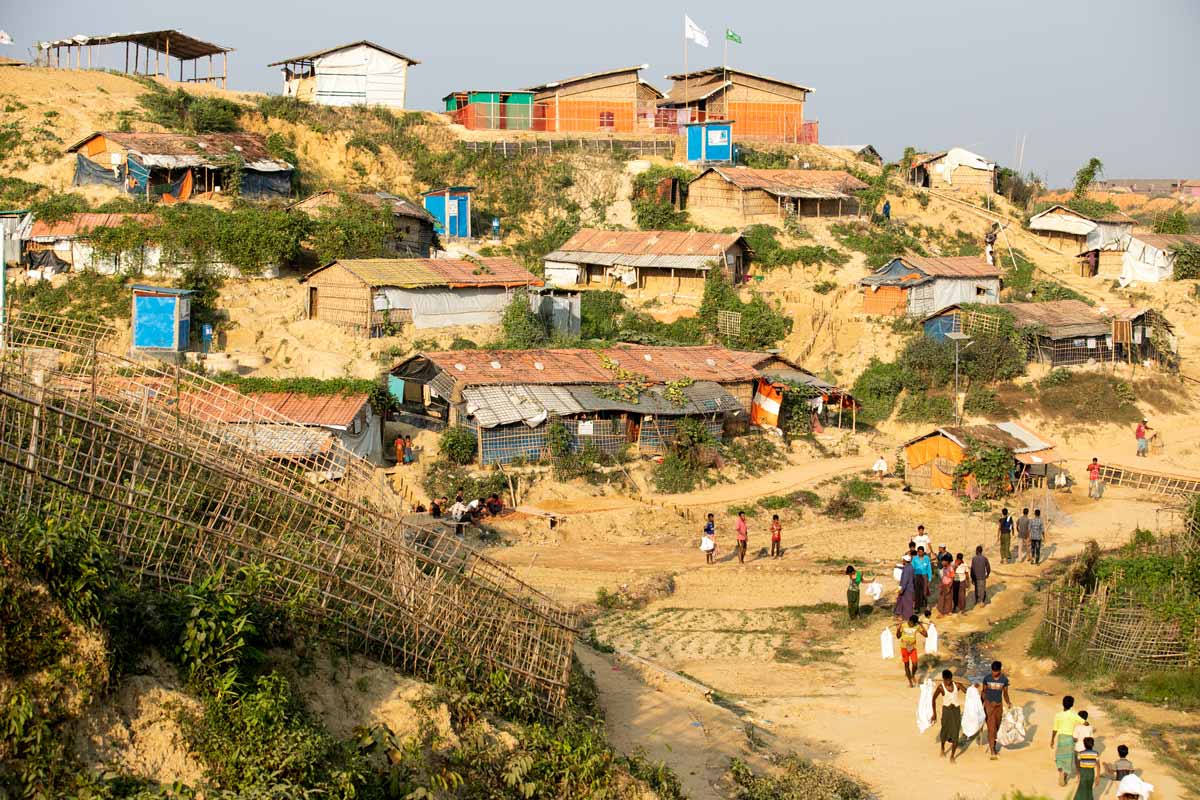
329, 198
454, 272
640, 243
337, 410
280, 441
717, 71
952, 266
201, 149
702, 397
695, 91
587, 77
79, 224
179, 44
318, 53
1009, 435
1032, 442
810, 183
1068, 318
504, 405
583, 366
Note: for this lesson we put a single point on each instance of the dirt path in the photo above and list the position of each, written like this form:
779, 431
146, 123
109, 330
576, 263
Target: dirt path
789, 479
763, 636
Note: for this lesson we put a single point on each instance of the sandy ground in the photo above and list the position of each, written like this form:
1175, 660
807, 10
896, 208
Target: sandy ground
782, 663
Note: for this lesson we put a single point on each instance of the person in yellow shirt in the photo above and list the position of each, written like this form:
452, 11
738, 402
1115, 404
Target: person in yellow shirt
1062, 740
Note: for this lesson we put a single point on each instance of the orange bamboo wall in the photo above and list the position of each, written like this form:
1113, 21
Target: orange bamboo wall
776, 120
889, 301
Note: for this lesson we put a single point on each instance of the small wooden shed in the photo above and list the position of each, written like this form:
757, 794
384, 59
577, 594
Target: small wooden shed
919, 285
955, 170
613, 101
931, 459
354, 74
772, 195
161, 318
761, 107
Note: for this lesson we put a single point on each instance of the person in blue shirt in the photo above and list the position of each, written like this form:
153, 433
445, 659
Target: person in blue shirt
923, 574
887, 210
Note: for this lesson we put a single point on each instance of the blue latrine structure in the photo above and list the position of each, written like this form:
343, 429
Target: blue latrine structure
710, 142
451, 210
162, 319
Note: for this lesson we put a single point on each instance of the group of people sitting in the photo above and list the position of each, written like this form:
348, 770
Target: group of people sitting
459, 511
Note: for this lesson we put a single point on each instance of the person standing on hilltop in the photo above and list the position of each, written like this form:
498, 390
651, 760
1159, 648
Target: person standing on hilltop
1142, 434
743, 538
921, 539
1095, 487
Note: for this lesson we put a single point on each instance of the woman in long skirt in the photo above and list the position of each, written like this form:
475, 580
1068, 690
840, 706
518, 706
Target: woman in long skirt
906, 601
945, 601
954, 696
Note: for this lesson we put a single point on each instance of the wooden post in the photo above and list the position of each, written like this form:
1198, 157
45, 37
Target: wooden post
155, 62
224, 70
210, 70
167, 61
126, 58
89, 52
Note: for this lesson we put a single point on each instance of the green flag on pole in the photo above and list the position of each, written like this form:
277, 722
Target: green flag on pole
732, 37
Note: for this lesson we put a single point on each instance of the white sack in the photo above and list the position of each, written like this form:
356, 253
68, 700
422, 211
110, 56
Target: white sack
925, 706
931, 640
973, 715
886, 648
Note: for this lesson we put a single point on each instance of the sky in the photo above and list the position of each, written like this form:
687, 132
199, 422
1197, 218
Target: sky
1108, 78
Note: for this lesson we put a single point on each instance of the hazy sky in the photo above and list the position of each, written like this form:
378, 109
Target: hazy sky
1110, 78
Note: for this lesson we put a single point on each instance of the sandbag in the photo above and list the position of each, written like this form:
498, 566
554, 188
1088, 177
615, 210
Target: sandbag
925, 706
886, 648
1012, 728
973, 714
931, 640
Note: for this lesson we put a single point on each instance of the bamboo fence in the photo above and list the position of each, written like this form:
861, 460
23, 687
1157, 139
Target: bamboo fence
172, 469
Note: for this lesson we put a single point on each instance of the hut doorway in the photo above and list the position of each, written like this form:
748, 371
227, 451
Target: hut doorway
312, 302
633, 429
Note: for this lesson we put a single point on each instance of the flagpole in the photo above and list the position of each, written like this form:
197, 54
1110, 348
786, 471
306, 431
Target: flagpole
685, 72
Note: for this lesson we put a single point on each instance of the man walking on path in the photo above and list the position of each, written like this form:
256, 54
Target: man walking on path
953, 694
995, 698
922, 575
1142, 434
1023, 535
1062, 739
1095, 487
981, 570
1004, 531
906, 599
742, 537
907, 632
1037, 534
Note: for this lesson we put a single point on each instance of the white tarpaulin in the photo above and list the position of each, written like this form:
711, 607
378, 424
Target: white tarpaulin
559, 274
441, 307
1145, 263
360, 75
957, 157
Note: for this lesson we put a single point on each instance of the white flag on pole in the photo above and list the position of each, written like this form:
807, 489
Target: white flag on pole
5, 38
692, 31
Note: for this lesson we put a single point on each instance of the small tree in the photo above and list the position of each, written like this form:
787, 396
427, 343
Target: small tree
458, 445
1187, 261
1086, 176
989, 465
521, 328
1175, 222
353, 229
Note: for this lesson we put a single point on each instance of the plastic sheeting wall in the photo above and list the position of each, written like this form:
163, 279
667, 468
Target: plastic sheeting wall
443, 307
361, 76
1145, 263
930, 463
928, 298
369, 441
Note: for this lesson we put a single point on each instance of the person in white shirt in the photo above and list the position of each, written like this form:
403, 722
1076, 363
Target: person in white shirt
922, 539
880, 468
459, 511
1082, 731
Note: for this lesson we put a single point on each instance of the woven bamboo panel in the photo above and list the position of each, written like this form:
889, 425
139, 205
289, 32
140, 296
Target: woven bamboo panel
148, 456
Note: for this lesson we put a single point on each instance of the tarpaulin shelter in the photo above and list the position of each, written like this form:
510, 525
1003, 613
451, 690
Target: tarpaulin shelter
354, 74
152, 165
931, 459
919, 285
1150, 257
955, 170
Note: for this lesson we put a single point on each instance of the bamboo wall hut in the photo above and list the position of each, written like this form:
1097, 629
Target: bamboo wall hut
955, 170
655, 263
770, 195
931, 459
412, 226
918, 285
376, 296
614, 101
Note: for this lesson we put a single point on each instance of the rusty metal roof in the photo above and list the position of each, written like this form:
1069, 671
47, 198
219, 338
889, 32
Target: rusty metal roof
329, 199
952, 266
79, 224
318, 53
452, 272
587, 77
1009, 435
200, 149
809, 183
720, 71
179, 44
583, 366
667, 249
327, 411
1165, 241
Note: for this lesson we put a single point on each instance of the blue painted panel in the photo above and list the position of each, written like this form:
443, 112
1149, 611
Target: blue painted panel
462, 209
718, 143
154, 322
695, 140
435, 204
938, 327
185, 334
396, 388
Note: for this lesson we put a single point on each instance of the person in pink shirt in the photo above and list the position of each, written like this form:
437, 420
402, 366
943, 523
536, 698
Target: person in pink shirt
742, 537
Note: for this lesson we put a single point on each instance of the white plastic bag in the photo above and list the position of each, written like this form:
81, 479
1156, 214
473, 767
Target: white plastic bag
973, 714
1012, 728
925, 706
707, 544
1132, 784
931, 640
886, 648
897, 573
875, 590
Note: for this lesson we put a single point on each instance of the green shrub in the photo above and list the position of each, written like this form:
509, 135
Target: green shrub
981, 400
352, 229
217, 641
824, 287
600, 314
797, 779
1187, 261
877, 389
652, 214
459, 343
775, 502
676, 475
458, 445
1174, 222
1059, 376
749, 509
879, 244
804, 497
520, 327
762, 325
844, 506
921, 407
990, 467
865, 491
15, 192
188, 113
